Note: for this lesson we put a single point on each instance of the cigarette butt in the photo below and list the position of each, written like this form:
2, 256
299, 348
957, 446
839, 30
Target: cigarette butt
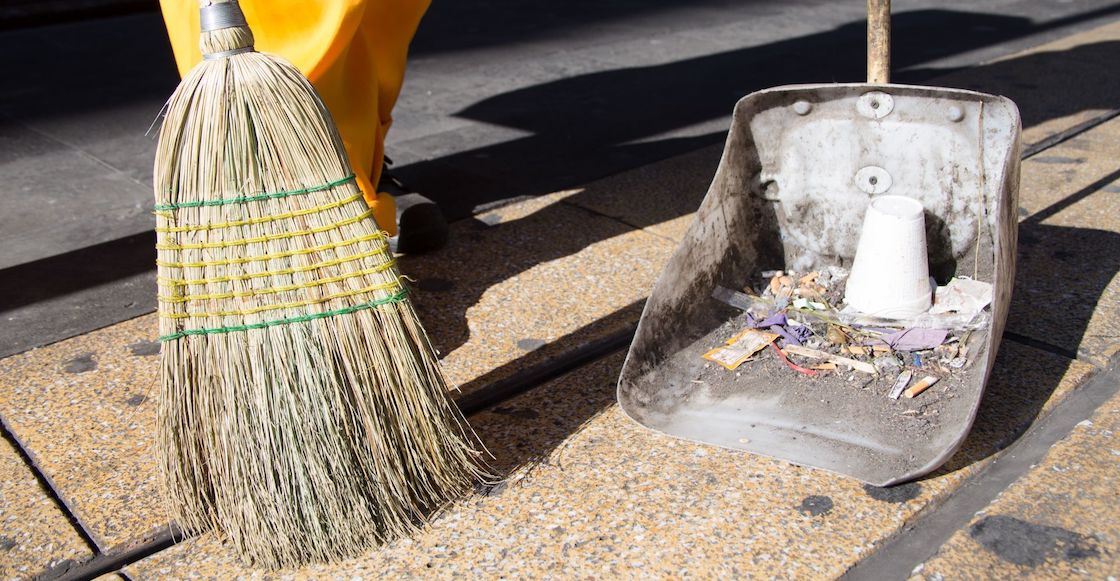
921, 386
825, 366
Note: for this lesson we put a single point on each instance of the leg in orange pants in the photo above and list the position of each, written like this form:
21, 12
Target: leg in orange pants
353, 51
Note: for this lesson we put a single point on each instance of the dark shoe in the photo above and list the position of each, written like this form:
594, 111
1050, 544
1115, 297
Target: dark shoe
421, 226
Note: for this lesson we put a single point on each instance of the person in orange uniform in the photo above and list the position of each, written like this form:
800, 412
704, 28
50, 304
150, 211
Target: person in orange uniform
354, 53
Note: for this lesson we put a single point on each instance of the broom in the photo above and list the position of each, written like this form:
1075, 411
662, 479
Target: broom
303, 412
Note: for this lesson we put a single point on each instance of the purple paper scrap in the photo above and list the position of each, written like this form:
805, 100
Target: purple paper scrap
916, 339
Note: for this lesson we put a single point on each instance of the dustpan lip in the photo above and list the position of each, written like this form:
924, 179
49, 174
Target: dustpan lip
948, 92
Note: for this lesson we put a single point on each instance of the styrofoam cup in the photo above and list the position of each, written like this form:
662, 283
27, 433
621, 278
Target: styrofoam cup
890, 274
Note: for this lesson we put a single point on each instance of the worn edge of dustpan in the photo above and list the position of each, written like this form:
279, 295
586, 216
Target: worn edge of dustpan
1004, 193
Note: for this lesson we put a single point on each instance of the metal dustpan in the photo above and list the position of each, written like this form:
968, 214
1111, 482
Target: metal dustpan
801, 164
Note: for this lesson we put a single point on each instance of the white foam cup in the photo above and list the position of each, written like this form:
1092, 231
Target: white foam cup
890, 274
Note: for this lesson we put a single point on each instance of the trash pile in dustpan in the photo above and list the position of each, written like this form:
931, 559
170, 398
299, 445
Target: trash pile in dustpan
798, 320
818, 323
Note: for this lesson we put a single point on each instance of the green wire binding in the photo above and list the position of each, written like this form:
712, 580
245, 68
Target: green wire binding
256, 198
396, 298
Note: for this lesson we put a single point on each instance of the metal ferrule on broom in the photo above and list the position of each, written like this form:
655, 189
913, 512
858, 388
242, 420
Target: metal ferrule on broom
217, 16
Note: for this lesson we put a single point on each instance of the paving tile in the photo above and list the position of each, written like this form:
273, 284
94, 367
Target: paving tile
662, 197
1059, 521
85, 409
40, 217
34, 533
1069, 246
592, 494
525, 283
528, 281
1051, 177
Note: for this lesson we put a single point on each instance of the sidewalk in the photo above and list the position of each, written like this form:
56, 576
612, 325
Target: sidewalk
591, 494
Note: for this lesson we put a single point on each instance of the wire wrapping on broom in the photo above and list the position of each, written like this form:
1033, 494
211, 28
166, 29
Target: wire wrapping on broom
255, 198
379, 235
400, 296
382, 250
268, 238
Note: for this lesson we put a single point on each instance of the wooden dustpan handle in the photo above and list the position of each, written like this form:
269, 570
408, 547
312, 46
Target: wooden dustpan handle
879, 41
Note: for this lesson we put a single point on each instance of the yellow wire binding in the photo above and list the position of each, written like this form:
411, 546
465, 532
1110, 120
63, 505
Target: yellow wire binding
368, 289
379, 235
258, 239
381, 249
279, 289
262, 219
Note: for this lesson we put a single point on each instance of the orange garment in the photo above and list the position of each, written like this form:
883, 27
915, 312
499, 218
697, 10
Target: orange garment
354, 53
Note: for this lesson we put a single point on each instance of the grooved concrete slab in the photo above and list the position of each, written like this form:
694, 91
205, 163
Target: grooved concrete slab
85, 408
528, 281
34, 533
1059, 521
592, 494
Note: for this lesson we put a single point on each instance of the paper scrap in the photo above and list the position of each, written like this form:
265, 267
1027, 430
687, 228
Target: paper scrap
740, 348
962, 295
900, 384
915, 339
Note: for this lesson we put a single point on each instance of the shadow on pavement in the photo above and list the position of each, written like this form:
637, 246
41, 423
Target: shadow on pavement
593, 125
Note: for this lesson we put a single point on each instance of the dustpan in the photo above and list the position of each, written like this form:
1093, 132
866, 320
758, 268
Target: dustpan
800, 166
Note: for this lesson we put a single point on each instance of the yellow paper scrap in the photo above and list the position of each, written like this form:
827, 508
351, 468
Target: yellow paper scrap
740, 348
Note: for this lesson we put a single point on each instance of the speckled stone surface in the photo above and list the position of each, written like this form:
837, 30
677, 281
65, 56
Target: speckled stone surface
85, 408
592, 494
1051, 176
524, 283
551, 277
1059, 521
1069, 250
661, 198
34, 533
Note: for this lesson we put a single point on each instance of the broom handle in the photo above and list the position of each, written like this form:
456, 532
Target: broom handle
879, 41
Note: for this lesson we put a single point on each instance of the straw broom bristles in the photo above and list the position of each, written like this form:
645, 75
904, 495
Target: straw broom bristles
303, 411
